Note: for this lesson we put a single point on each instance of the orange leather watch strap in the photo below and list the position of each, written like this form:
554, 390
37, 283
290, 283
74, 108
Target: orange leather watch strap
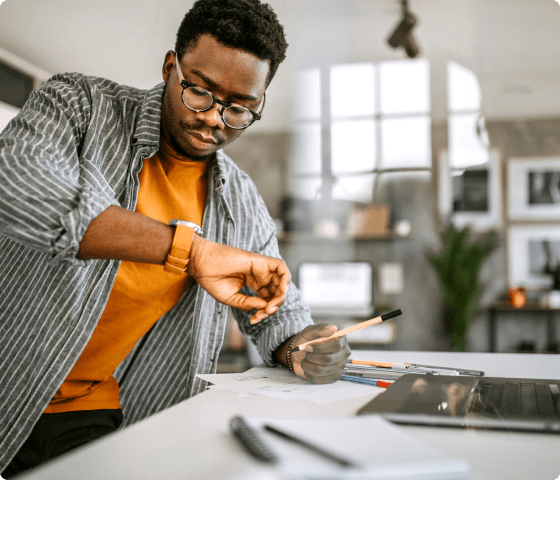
178, 256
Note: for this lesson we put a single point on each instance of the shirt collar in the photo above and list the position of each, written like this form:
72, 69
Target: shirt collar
148, 126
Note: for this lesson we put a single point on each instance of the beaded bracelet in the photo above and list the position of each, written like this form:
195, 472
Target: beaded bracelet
289, 356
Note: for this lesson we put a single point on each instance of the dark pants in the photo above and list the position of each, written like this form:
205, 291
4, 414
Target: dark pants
56, 433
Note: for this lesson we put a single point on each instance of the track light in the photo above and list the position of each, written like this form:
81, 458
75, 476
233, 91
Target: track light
402, 35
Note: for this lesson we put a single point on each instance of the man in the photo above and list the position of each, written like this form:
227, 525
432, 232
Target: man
93, 179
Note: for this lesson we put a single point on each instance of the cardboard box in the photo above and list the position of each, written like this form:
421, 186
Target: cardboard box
370, 221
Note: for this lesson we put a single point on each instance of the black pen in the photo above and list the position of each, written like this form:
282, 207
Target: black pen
328, 454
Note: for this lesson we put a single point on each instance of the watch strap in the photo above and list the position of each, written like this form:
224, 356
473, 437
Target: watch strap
178, 256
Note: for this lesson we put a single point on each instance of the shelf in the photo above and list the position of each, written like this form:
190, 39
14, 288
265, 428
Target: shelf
529, 306
309, 237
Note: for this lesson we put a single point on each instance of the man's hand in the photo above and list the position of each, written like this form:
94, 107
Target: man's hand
222, 271
324, 361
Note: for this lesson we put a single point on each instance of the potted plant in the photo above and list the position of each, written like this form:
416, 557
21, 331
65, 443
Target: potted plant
457, 265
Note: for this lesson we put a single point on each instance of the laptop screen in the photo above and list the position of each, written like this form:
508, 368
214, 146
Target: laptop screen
341, 288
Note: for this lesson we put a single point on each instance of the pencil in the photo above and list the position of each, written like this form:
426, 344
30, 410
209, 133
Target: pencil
366, 381
353, 328
307, 444
375, 374
414, 368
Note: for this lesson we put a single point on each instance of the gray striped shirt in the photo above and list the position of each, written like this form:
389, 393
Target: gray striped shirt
75, 149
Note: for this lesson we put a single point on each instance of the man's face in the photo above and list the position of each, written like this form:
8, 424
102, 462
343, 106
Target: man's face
232, 75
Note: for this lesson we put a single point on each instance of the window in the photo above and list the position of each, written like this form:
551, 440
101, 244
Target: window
469, 192
357, 122
467, 137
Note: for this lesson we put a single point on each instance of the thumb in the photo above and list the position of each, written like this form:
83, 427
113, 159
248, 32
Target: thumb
327, 330
318, 331
246, 303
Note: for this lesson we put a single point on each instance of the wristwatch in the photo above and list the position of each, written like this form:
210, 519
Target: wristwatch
196, 227
178, 256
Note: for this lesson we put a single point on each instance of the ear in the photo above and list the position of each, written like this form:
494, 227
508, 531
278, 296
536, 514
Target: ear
168, 65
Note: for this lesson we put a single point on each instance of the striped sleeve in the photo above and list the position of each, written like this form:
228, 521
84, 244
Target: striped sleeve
293, 316
46, 200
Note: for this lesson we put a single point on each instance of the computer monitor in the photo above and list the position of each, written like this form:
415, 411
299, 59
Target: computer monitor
337, 288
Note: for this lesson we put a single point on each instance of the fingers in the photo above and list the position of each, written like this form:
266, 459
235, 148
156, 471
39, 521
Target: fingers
274, 303
222, 271
270, 278
324, 376
258, 317
269, 275
275, 293
323, 362
248, 303
283, 279
327, 358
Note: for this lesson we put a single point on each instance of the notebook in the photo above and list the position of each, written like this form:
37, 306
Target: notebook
469, 402
373, 447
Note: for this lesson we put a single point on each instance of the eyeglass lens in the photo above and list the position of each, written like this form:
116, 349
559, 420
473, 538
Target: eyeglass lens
198, 99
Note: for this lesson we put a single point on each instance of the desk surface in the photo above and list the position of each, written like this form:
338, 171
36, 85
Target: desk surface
191, 440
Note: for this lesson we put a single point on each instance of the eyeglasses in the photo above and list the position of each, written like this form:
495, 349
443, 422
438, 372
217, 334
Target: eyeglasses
199, 100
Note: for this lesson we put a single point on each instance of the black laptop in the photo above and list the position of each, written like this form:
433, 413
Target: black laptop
468, 402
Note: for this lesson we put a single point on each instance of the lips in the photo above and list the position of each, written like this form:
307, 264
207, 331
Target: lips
203, 137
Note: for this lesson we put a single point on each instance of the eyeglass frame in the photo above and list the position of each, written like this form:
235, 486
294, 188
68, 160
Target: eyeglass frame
184, 84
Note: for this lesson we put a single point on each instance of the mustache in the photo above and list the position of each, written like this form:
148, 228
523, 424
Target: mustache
201, 127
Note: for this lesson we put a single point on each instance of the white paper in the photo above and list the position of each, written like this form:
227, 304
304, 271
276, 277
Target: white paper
280, 383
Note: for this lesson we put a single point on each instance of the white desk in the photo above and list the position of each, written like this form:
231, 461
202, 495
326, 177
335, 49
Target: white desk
192, 441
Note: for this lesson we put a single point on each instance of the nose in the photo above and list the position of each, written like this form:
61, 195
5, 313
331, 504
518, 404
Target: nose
212, 117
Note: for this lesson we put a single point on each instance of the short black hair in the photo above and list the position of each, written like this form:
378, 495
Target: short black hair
248, 25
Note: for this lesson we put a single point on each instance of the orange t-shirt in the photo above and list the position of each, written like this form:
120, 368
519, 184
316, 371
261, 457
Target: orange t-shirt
142, 293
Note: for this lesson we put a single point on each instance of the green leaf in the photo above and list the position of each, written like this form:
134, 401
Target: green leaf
457, 265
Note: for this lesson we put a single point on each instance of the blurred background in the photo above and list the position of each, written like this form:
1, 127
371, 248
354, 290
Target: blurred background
409, 153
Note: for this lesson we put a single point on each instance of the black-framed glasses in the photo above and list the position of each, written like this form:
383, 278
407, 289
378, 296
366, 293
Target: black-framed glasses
199, 100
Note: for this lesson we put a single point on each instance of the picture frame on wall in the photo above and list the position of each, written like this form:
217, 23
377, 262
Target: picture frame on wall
471, 197
534, 188
530, 248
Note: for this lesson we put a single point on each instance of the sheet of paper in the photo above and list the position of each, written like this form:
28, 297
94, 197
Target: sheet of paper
378, 448
280, 383
260, 372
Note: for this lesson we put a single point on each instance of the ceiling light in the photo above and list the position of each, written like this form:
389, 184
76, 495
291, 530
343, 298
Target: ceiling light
402, 35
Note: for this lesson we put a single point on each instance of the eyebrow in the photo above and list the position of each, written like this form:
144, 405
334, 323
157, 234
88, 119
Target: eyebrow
214, 85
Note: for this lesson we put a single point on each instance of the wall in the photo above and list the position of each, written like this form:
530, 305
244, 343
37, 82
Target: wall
265, 158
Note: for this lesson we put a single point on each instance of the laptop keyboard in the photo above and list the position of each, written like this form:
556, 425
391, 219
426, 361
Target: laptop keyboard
525, 399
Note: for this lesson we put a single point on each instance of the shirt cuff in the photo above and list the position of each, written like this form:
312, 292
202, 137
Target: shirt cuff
92, 202
275, 335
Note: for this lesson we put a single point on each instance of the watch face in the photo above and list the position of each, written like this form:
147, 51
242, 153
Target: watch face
196, 227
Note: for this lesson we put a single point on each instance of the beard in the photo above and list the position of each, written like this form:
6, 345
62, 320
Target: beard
179, 150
